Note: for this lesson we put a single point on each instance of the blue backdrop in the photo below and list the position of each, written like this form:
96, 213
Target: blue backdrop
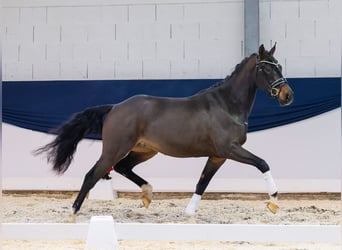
44, 105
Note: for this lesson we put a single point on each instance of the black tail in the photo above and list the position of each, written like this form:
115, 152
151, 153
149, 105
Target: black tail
61, 150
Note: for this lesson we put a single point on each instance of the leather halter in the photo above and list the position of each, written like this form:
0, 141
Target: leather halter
276, 85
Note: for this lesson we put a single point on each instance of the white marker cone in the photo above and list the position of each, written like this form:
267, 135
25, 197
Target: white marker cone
103, 190
101, 234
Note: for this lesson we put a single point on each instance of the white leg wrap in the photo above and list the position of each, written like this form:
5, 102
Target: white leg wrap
271, 187
193, 204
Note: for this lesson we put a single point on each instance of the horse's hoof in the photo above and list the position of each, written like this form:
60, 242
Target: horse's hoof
73, 215
73, 218
272, 207
146, 195
146, 202
189, 212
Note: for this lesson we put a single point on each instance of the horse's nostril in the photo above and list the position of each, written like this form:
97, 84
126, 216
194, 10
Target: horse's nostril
287, 96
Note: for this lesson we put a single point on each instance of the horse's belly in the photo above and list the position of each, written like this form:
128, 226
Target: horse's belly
175, 149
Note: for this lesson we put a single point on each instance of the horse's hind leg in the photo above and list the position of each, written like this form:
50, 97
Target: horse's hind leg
94, 174
125, 166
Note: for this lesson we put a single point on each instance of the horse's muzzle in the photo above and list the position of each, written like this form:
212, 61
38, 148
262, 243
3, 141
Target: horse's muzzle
286, 95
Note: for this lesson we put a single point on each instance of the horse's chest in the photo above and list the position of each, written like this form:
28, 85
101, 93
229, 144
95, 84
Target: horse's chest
231, 132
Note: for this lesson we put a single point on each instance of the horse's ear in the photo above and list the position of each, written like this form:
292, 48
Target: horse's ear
261, 51
273, 49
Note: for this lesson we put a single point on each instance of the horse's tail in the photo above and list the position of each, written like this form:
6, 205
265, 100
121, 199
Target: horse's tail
61, 150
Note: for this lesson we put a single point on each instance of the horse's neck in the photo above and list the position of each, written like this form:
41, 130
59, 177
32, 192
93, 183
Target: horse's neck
239, 91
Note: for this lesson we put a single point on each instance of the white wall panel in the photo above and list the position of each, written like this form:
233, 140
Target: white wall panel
42, 70
214, 11
101, 69
74, 15
142, 50
308, 9
102, 33
142, 13
157, 31
272, 29
86, 15
128, 69
11, 15
317, 47
143, 31
328, 29
87, 52
59, 52
170, 13
232, 30
127, 33
300, 29
212, 68
73, 70
185, 69
74, 33
114, 14
213, 49
11, 53
31, 50
156, 69
170, 49
334, 63
33, 15
335, 9
21, 33
18, 71
284, 10
312, 28
47, 34
117, 50
61, 15
299, 66
310, 23
185, 30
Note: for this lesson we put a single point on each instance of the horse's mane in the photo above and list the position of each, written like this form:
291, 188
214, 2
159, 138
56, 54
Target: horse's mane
237, 69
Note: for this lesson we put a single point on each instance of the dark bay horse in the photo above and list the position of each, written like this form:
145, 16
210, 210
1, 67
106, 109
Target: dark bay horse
212, 123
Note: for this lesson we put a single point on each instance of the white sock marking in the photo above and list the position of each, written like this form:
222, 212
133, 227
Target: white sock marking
193, 204
271, 187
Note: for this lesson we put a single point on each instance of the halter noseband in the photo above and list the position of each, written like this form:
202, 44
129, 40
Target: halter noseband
277, 84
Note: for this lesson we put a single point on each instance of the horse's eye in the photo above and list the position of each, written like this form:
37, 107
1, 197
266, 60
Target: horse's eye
267, 70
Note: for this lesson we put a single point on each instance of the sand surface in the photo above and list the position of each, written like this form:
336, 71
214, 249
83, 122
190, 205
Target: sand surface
226, 209
324, 209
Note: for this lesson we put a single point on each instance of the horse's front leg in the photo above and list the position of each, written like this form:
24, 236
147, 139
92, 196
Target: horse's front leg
211, 167
238, 153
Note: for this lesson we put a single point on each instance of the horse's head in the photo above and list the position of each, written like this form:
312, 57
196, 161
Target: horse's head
269, 77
